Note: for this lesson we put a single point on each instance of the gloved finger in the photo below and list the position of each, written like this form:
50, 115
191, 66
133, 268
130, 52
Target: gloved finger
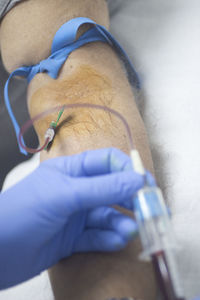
108, 160
150, 179
99, 240
104, 190
108, 218
92, 163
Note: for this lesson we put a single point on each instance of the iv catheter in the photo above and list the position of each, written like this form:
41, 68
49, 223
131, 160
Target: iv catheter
151, 214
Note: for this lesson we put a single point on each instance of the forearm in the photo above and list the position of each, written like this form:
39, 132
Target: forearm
92, 74
85, 78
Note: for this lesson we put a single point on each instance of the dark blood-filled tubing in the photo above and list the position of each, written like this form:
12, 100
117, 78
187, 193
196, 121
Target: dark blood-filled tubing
163, 277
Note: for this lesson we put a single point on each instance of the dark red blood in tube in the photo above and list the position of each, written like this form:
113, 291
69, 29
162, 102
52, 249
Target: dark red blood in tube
163, 277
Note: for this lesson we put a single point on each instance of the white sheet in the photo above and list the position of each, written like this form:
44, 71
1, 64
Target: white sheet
162, 38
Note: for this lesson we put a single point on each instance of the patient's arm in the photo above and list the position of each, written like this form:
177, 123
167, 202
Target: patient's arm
92, 74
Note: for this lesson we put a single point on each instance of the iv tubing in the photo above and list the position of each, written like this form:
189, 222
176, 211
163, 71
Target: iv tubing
30, 123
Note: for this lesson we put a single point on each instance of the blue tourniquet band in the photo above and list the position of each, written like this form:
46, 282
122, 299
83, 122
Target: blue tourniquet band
63, 44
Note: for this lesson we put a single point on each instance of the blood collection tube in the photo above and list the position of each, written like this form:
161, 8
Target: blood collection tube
156, 234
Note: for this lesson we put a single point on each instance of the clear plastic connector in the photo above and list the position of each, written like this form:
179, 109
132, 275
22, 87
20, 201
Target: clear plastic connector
154, 223
49, 134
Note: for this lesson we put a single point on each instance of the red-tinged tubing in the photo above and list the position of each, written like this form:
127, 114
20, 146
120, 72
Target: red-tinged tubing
31, 150
30, 123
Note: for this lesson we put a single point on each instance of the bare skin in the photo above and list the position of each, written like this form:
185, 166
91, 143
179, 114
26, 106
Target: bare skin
92, 74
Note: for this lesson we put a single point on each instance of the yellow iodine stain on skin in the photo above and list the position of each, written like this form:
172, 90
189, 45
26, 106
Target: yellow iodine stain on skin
84, 85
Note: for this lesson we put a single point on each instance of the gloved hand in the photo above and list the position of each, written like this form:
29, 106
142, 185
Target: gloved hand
62, 208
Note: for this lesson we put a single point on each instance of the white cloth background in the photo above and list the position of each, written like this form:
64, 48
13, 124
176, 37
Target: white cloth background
163, 40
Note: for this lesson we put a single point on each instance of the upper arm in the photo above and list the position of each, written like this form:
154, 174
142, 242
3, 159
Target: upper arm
28, 29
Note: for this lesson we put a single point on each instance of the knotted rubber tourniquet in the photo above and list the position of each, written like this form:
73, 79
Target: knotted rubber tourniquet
63, 44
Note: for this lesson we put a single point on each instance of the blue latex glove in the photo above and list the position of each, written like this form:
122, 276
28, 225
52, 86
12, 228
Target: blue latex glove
63, 208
